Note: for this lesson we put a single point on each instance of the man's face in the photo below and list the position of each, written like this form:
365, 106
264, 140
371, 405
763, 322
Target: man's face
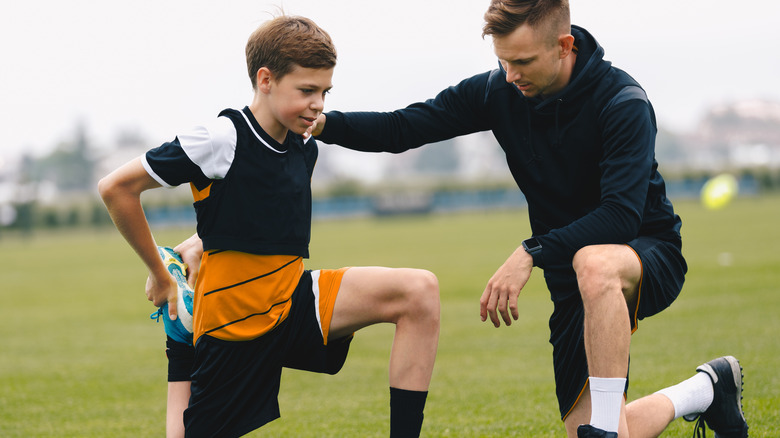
532, 62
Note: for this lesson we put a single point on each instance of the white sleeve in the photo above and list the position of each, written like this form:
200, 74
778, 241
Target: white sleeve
211, 147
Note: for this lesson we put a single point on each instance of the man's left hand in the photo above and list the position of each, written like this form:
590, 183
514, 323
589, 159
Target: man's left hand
501, 293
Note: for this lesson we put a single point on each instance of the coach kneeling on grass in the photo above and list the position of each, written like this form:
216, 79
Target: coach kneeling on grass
579, 138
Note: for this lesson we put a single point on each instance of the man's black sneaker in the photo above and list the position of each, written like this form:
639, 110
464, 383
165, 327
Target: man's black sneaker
724, 416
588, 431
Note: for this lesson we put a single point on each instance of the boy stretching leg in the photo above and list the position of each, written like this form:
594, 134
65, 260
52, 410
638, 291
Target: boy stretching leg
256, 309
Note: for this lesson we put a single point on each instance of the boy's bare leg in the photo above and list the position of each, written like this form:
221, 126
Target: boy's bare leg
408, 298
178, 399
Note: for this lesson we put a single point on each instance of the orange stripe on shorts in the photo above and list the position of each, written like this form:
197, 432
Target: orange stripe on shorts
326, 290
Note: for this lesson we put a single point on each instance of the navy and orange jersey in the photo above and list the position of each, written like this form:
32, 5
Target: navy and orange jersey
253, 201
252, 194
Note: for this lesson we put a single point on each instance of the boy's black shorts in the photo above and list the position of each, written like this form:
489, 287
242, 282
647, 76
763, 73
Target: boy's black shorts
180, 359
241, 378
663, 274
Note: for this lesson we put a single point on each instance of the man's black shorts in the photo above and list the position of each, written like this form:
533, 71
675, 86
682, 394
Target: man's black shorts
663, 274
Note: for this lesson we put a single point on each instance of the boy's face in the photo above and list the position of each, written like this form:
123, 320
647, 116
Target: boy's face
297, 99
531, 62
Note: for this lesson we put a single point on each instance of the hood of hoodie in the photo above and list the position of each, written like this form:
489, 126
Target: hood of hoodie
588, 69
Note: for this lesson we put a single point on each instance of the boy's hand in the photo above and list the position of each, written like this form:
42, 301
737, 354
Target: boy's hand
191, 251
160, 291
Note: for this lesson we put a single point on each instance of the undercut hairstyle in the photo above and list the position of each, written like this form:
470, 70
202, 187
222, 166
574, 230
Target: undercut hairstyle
550, 16
285, 42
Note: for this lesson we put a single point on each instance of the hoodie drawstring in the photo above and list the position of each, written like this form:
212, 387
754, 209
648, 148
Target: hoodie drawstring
558, 103
534, 154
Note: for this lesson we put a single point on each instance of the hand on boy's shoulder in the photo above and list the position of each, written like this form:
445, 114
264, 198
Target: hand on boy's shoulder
317, 127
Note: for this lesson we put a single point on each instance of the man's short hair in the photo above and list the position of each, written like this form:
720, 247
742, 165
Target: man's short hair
286, 41
504, 16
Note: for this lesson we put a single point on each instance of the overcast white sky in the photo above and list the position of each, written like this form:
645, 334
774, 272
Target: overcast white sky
161, 66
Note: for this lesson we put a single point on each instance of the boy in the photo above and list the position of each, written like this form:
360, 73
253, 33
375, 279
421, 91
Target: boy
256, 309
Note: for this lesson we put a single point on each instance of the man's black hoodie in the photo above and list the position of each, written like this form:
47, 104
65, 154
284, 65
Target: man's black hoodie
584, 158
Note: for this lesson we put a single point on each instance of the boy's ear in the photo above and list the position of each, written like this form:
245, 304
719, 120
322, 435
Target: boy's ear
263, 80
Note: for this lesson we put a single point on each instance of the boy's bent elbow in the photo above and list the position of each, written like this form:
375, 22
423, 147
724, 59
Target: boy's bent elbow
110, 187
129, 179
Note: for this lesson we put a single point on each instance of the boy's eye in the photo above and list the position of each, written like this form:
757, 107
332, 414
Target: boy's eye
313, 91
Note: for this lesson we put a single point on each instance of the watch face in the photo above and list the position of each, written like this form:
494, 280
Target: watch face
532, 244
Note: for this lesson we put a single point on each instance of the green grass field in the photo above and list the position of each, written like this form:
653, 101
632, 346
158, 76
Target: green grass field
79, 356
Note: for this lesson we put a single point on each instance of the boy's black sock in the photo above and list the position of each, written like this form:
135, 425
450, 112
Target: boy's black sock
406, 412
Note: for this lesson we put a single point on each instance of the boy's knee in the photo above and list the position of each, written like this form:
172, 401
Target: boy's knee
429, 287
429, 283
424, 292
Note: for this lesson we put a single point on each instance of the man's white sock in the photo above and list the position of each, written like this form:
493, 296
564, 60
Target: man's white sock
692, 396
606, 396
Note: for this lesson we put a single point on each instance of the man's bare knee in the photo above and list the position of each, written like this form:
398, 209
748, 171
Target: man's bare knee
604, 269
596, 271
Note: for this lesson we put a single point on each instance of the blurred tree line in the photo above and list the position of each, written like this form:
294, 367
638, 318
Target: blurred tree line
58, 190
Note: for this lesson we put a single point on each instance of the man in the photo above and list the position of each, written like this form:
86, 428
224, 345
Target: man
579, 139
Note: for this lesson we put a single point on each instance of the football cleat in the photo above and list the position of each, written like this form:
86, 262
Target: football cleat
588, 431
724, 416
180, 329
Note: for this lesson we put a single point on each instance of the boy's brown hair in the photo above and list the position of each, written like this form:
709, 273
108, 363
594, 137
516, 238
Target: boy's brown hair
286, 41
550, 16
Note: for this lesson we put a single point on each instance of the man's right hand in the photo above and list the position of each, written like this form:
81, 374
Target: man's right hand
318, 126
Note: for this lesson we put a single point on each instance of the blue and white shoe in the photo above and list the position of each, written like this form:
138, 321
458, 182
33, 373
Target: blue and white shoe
179, 330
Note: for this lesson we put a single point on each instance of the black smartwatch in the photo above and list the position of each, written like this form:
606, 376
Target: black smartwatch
533, 247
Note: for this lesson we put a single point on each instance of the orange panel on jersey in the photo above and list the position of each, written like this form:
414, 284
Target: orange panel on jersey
241, 296
199, 195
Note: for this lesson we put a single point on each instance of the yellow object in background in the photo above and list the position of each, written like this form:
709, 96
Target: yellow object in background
719, 191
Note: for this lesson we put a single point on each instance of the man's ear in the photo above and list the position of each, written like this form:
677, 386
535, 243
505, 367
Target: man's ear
565, 45
263, 80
